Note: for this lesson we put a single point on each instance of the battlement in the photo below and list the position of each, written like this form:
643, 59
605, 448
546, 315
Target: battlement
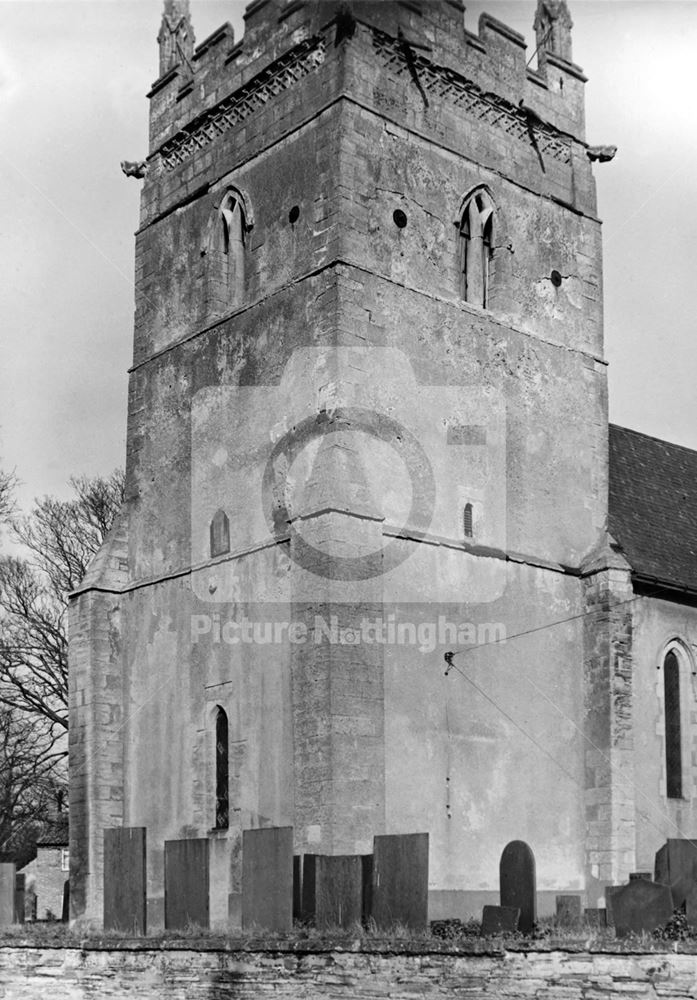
432, 37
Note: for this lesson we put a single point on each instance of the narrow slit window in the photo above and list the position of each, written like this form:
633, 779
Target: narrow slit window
467, 520
671, 689
222, 783
220, 534
476, 232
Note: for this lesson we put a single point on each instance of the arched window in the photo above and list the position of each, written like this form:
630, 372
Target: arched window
222, 793
476, 237
673, 740
220, 534
467, 520
225, 251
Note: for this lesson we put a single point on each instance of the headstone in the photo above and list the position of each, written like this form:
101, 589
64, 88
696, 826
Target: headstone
499, 920
65, 907
399, 884
676, 866
298, 887
186, 884
568, 911
517, 882
7, 893
595, 916
267, 879
610, 890
367, 866
124, 880
641, 906
19, 898
333, 890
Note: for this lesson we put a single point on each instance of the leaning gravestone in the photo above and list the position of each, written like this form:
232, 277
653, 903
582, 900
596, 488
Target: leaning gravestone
641, 906
7, 893
399, 889
517, 882
267, 878
568, 911
333, 890
676, 866
499, 920
124, 879
186, 883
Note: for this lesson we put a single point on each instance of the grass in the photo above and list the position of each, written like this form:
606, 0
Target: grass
463, 936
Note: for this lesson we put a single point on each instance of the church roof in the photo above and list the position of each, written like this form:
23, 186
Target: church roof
653, 507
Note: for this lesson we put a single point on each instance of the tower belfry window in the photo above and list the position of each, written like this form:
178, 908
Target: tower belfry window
476, 237
232, 245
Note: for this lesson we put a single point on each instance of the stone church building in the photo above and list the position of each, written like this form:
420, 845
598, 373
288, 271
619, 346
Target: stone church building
368, 427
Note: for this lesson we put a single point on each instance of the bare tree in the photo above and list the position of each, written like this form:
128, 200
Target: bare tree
60, 538
32, 786
8, 482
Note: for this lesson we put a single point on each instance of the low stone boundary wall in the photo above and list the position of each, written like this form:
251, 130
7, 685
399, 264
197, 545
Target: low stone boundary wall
180, 972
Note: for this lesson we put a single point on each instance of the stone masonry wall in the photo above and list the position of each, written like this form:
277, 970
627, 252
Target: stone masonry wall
152, 973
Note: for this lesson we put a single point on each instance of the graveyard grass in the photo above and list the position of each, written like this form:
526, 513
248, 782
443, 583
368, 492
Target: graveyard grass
401, 939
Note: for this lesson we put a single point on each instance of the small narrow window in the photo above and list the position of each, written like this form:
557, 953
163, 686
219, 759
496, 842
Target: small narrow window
671, 689
476, 237
220, 534
222, 794
467, 520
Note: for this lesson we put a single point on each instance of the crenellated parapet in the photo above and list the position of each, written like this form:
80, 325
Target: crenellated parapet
223, 81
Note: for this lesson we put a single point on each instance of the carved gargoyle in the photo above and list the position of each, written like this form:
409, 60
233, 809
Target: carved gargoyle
601, 153
134, 168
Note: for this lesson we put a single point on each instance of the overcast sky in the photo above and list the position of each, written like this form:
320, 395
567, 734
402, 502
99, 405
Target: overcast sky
73, 78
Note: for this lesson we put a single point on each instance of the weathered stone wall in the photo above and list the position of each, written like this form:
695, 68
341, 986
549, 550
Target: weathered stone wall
29, 973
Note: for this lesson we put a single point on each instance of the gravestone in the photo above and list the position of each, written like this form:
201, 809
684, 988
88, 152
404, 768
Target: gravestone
399, 884
267, 878
298, 888
610, 890
517, 882
124, 879
20, 881
499, 920
676, 866
641, 906
568, 911
333, 890
367, 866
7, 893
187, 870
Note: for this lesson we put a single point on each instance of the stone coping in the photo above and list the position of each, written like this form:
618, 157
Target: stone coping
265, 945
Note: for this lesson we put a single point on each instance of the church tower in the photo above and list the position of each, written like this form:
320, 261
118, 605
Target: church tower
367, 427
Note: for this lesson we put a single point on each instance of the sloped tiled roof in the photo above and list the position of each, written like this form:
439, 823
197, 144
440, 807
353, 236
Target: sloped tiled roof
653, 506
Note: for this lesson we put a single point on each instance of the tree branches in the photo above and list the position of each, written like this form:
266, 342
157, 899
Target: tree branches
60, 538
